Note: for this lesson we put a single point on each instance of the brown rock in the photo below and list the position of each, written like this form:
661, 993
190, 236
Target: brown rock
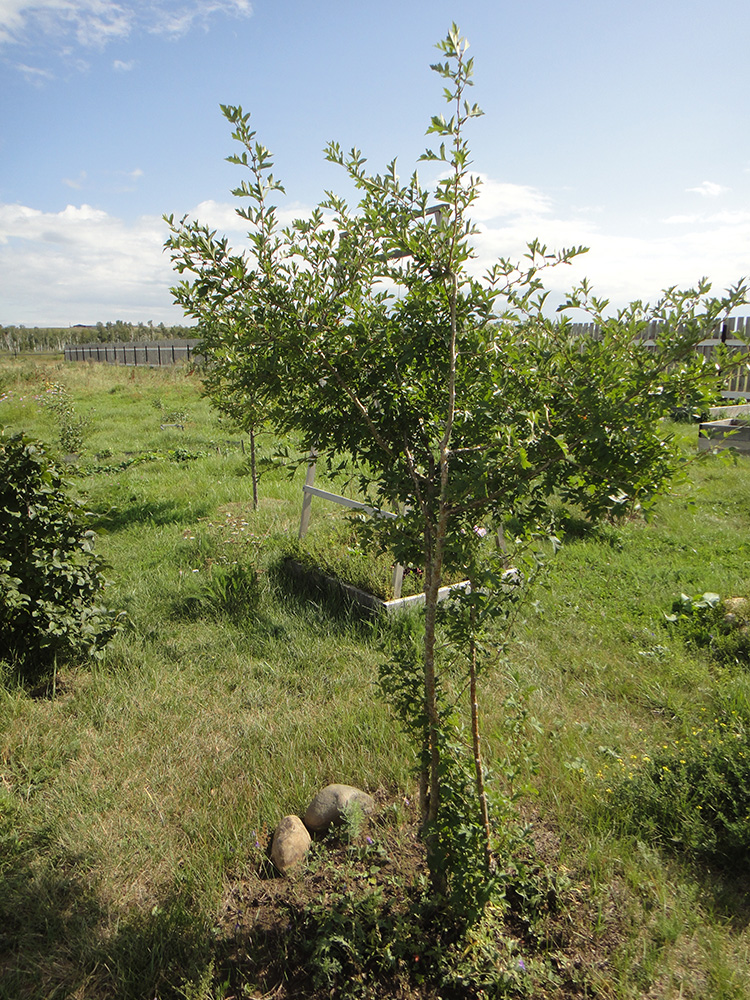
290, 843
739, 607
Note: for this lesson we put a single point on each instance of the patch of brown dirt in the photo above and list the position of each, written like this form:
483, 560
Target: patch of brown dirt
263, 950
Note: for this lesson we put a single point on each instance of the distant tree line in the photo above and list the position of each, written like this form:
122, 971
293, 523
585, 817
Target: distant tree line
17, 339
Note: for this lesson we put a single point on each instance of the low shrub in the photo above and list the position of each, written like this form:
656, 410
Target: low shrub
692, 794
50, 578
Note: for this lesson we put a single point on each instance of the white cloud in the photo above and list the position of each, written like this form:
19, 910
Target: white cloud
94, 23
497, 198
682, 220
708, 189
123, 67
89, 22
222, 216
623, 268
81, 265
76, 183
35, 75
11, 19
130, 179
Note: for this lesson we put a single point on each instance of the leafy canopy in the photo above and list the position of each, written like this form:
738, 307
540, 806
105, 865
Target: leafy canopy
464, 404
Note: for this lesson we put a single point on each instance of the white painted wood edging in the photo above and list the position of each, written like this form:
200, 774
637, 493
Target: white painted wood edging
362, 597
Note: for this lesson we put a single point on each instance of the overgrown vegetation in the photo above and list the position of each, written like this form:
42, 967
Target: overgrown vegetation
692, 794
459, 402
50, 578
137, 798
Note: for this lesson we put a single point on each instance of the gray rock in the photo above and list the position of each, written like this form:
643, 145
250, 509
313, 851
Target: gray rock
331, 803
290, 843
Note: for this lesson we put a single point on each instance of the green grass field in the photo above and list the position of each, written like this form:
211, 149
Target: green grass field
137, 797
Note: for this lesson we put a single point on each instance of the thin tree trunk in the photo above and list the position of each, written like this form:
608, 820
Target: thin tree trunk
429, 686
477, 747
433, 574
253, 468
430, 691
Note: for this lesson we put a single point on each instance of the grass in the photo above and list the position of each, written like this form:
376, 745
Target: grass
136, 800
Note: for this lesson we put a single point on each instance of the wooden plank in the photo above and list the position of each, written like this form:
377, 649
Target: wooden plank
310, 490
304, 523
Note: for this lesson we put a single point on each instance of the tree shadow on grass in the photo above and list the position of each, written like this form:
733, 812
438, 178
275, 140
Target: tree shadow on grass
727, 890
56, 935
47, 912
312, 595
155, 513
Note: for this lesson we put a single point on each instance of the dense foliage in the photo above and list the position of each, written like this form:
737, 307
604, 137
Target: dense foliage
693, 795
465, 406
50, 578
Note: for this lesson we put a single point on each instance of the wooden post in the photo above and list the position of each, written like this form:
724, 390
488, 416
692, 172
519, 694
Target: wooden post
307, 497
397, 581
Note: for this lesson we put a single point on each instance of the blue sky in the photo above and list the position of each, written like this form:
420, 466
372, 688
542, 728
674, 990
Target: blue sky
620, 126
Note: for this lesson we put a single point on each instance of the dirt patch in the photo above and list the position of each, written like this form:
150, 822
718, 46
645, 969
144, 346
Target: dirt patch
357, 921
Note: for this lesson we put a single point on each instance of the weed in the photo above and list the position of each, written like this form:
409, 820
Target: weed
231, 591
706, 623
692, 793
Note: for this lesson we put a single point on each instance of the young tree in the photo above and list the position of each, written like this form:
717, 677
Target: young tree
364, 330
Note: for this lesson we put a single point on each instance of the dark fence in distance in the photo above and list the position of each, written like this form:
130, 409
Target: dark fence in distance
733, 333
157, 352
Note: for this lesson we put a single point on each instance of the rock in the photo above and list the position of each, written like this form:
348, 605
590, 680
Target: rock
330, 804
290, 843
739, 607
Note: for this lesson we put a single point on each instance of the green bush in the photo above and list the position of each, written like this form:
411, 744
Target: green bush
50, 578
704, 622
693, 794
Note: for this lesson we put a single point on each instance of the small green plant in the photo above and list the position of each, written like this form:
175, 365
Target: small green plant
353, 822
231, 591
71, 426
705, 623
178, 417
692, 794
50, 578
183, 455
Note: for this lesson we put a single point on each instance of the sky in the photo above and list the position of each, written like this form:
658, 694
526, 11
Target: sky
619, 126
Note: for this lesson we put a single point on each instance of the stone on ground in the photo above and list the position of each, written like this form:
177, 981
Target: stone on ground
290, 843
331, 803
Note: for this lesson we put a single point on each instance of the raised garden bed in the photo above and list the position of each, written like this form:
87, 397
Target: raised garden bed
331, 586
727, 433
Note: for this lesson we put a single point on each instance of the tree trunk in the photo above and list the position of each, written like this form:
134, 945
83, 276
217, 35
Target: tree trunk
477, 748
253, 468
